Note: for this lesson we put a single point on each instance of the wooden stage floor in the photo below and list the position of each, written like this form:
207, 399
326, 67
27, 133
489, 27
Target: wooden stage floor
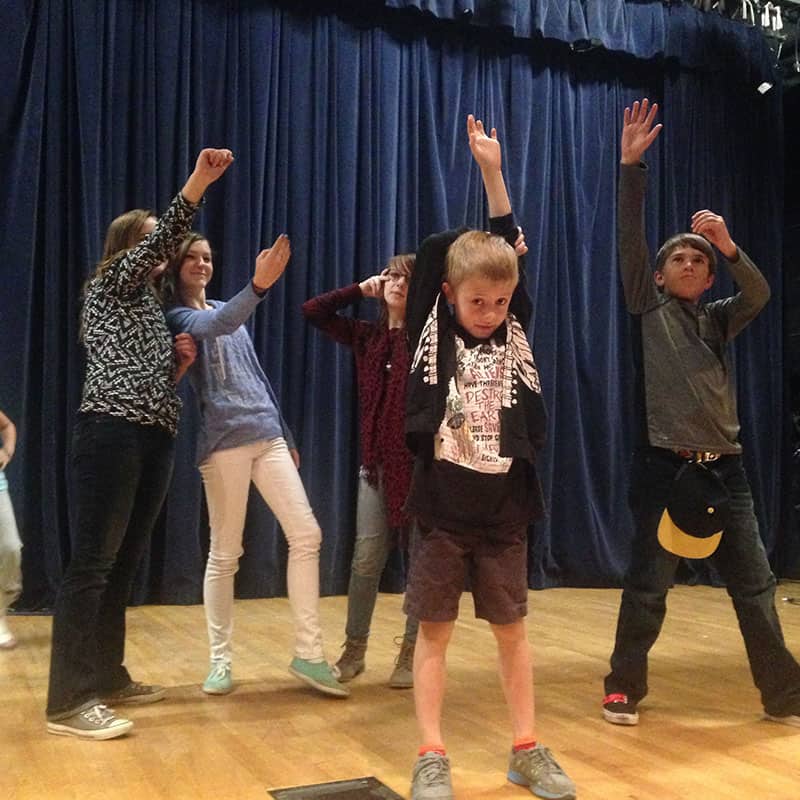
701, 734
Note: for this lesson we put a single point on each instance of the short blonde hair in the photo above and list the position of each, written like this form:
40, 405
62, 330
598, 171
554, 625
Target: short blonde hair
478, 254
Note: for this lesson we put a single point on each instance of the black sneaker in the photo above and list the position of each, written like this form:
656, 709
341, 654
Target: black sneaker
618, 710
135, 693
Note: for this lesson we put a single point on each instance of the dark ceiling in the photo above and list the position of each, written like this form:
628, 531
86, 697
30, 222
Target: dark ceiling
779, 21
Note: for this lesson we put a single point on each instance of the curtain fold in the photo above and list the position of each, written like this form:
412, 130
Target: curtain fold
349, 135
642, 28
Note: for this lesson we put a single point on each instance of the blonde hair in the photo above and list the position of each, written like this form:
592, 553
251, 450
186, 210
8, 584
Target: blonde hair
478, 254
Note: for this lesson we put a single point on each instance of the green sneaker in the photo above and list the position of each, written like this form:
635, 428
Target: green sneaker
318, 674
219, 680
94, 722
539, 771
135, 693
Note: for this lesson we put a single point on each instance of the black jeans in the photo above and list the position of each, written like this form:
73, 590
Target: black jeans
120, 474
741, 562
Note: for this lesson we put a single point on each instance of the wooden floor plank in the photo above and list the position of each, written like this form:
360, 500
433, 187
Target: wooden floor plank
700, 735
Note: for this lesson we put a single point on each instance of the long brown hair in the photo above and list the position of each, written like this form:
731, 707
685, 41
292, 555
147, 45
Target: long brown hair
123, 234
404, 264
167, 284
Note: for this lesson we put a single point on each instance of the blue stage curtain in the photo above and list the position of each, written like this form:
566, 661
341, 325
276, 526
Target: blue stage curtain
348, 125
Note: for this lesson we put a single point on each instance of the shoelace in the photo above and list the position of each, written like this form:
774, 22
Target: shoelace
433, 770
541, 759
220, 671
405, 659
99, 715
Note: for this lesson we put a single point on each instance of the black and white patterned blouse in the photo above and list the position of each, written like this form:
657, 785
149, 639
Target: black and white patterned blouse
130, 363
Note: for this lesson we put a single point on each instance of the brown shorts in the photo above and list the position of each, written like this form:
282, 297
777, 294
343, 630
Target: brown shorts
441, 561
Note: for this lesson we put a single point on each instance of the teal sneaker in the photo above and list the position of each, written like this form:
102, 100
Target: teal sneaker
539, 771
219, 680
318, 674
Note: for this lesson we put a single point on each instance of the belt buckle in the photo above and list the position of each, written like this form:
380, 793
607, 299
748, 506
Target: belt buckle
698, 456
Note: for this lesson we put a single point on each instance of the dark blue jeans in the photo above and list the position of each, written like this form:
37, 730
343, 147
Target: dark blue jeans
120, 474
740, 560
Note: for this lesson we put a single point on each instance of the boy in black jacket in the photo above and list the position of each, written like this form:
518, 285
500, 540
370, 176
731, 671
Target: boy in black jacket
474, 421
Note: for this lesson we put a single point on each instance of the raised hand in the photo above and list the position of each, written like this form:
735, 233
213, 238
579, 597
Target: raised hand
638, 131
485, 149
712, 226
210, 165
373, 287
271, 263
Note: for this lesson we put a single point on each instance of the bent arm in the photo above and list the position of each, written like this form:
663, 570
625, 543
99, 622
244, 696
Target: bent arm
322, 312
426, 281
736, 312
217, 321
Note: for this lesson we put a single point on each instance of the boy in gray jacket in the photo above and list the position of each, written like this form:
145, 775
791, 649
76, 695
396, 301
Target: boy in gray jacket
687, 404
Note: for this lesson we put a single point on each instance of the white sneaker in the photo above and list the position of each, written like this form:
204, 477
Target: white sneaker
7, 639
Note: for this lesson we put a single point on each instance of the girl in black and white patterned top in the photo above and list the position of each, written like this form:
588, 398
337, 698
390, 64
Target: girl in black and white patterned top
122, 458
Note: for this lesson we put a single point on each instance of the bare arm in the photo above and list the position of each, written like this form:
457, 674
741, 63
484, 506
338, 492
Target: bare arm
488, 156
8, 433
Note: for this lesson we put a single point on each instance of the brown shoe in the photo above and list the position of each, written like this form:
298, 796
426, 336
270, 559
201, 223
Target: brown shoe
402, 676
352, 661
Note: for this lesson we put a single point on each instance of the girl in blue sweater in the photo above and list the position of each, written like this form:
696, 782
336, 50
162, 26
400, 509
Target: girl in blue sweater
244, 438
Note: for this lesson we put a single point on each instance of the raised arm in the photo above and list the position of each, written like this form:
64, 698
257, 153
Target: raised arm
488, 156
222, 320
638, 133
126, 276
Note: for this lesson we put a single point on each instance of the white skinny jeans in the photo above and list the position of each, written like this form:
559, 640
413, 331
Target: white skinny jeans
226, 477
10, 553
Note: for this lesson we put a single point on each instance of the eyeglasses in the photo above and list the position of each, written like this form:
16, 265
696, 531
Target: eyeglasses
396, 277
